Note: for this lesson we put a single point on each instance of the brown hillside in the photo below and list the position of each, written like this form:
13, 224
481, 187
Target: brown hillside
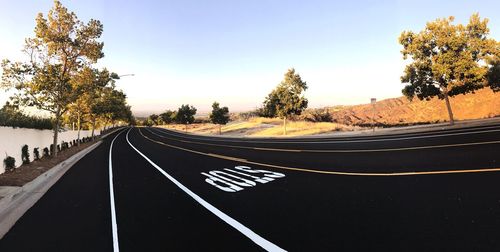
482, 104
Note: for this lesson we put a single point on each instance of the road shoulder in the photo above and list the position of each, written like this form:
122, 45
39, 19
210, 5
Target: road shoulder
18, 200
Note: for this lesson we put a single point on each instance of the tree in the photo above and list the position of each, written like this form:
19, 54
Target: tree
185, 115
219, 115
494, 75
156, 119
287, 98
61, 47
448, 59
112, 106
167, 116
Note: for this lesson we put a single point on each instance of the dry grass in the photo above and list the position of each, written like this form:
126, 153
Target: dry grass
263, 127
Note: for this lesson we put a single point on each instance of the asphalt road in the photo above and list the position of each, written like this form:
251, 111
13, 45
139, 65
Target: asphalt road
168, 191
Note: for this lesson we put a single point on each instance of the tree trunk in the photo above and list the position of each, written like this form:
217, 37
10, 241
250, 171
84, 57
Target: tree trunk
56, 132
220, 129
78, 125
284, 126
448, 106
186, 128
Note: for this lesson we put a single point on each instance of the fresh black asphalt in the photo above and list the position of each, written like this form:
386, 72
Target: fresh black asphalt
302, 211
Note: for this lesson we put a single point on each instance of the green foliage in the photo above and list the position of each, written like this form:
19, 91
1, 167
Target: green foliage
168, 116
46, 152
155, 119
9, 163
185, 114
25, 154
112, 106
36, 154
147, 122
61, 47
287, 98
448, 59
64, 145
219, 115
494, 76
11, 116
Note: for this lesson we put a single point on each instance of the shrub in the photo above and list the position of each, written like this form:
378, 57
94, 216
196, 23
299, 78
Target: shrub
64, 145
51, 149
25, 154
9, 163
36, 154
46, 152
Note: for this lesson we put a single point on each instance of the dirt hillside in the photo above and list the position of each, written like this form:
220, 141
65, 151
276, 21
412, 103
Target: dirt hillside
482, 104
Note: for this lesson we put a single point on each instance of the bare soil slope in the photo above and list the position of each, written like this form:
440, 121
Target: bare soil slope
400, 111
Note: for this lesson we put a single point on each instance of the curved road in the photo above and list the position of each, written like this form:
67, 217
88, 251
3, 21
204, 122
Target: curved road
151, 189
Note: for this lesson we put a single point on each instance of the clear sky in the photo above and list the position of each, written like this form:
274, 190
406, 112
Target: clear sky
236, 51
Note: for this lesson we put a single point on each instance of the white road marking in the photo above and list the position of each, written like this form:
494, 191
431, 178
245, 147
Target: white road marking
114, 226
347, 140
265, 244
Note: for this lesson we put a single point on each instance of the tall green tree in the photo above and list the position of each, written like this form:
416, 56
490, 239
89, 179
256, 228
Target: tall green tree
112, 107
287, 98
494, 75
448, 59
185, 115
167, 116
156, 119
61, 47
219, 115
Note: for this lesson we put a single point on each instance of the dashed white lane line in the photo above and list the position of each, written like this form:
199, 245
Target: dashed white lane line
259, 240
114, 225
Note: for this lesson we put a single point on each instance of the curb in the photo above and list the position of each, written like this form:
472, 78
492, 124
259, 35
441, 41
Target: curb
19, 201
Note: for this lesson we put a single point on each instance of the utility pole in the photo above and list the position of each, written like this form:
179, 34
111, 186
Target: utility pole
373, 101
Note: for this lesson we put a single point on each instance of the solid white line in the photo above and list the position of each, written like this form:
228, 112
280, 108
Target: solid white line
112, 198
259, 240
276, 141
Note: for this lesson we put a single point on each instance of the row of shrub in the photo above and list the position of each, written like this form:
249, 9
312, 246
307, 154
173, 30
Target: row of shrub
10, 116
9, 162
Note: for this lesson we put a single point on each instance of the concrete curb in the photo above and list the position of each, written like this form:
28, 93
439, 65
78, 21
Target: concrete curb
20, 200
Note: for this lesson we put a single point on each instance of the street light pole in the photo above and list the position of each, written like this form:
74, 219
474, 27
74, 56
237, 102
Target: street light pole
123, 75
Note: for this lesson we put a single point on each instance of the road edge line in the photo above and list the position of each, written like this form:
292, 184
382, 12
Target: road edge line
114, 225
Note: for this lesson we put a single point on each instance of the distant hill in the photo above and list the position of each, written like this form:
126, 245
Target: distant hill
396, 111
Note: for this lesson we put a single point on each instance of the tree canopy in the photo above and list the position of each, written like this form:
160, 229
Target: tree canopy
449, 59
168, 116
219, 115
185, 114
287, 98
62, 46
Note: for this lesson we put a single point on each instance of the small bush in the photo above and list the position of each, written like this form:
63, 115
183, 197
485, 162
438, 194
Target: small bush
36, 154
51, 149
9, 163
46, 152
64, 145
25, 154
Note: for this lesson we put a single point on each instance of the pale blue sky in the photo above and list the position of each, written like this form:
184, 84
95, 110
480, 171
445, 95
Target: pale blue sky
235, 52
